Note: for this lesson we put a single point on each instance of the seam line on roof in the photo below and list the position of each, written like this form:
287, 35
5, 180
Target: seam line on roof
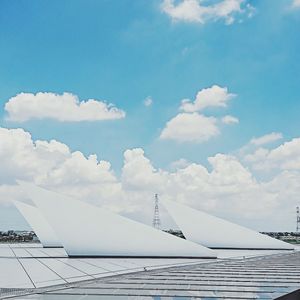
90, 275
23, 267
63, 279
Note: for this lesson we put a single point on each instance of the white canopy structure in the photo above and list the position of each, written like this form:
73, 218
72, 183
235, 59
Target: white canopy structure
214, 232
38, 224
86, 230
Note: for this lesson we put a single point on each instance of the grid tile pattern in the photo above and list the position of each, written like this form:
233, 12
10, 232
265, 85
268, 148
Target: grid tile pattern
261, 277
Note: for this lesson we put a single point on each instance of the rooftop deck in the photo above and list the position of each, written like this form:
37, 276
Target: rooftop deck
49, 274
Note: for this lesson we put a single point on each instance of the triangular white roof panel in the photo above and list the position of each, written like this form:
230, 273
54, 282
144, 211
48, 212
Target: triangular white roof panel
214, 232
39, 224
86, 230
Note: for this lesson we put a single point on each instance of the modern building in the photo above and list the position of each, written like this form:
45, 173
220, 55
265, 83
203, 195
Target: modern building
39, 224
106, 256
87, 230
30, 272
213, 232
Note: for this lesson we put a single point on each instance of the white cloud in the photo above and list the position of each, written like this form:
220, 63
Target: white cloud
195, 11
138, 172
230, 120
190, 127
227, 188
284, 157
295, 3
250, 10
266, 139
214, 96
259, 154
65, 108
179, 164
148, 101
52, 164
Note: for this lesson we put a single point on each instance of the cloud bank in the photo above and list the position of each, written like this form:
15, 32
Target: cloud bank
284, 157
227, 185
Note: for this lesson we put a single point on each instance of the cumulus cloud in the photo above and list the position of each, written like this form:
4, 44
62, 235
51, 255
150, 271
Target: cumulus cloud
179, 164
148, 101
52, 164
226, 188
196, 12
230, 120
266, 139
64, 108
138, 172
284, 157
214, 96
190, 127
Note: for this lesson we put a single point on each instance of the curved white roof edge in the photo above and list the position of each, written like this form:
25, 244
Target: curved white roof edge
214, 232
39, 224
87, 230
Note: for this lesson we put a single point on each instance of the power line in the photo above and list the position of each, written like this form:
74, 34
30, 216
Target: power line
298, 219
156, 219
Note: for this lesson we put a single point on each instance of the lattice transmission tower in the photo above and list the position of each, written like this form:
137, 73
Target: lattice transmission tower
298, 219
156, 219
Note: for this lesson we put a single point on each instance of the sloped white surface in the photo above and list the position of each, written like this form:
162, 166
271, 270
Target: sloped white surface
86, 230
214, 232
38, 224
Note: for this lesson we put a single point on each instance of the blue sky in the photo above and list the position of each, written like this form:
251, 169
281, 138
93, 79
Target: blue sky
125, 51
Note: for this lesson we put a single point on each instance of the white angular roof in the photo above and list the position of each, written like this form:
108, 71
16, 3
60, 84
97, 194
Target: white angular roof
39, 225
214, 232
86, 230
